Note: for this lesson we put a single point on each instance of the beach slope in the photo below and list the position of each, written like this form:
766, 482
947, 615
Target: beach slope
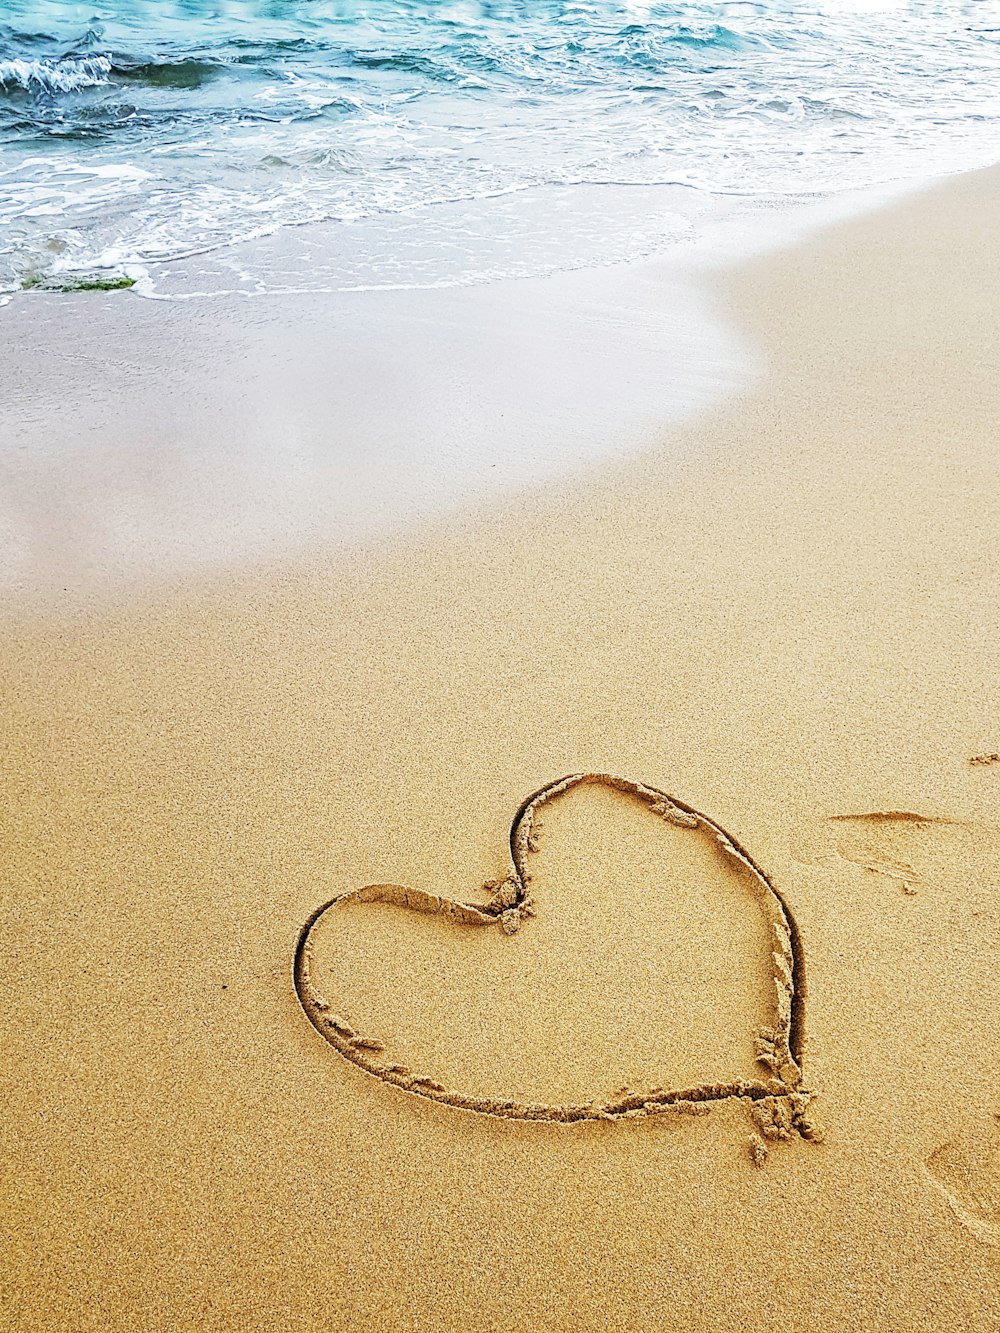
783, 615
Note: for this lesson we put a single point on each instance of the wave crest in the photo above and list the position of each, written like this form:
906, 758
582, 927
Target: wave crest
68, 75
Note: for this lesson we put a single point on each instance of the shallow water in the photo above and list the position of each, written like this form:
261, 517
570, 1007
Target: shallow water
448, 143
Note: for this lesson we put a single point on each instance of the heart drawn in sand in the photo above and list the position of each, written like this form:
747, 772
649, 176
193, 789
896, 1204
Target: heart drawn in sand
778, 1100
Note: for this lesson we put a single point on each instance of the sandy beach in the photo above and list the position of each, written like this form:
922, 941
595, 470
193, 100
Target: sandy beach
781, 611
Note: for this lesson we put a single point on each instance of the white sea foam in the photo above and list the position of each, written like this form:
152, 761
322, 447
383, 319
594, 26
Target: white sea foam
67, 75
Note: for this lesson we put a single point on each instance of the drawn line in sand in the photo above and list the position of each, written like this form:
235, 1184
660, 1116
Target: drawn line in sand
778, 1104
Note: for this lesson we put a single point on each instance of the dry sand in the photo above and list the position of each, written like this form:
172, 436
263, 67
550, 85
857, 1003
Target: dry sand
784, 615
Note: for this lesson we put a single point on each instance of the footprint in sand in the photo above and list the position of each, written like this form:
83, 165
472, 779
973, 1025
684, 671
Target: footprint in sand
662, 954
966, 1170
905, 848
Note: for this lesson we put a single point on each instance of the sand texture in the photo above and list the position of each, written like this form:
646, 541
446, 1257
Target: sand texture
325, 1009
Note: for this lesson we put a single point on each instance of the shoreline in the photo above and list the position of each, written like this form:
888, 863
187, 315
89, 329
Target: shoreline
698, 228
253, 431
347, 419
779, 612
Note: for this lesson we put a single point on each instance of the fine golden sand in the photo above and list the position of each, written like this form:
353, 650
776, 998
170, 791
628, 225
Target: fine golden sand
784, 616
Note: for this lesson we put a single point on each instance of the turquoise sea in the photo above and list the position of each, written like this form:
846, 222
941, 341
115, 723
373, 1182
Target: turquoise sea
437, 142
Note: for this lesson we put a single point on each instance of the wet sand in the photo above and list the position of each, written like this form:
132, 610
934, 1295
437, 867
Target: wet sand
782, 614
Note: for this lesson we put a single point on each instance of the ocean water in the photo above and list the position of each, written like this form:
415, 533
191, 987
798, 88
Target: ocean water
422, 143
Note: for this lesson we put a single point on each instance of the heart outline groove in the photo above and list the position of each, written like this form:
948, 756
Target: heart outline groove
778, 1104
